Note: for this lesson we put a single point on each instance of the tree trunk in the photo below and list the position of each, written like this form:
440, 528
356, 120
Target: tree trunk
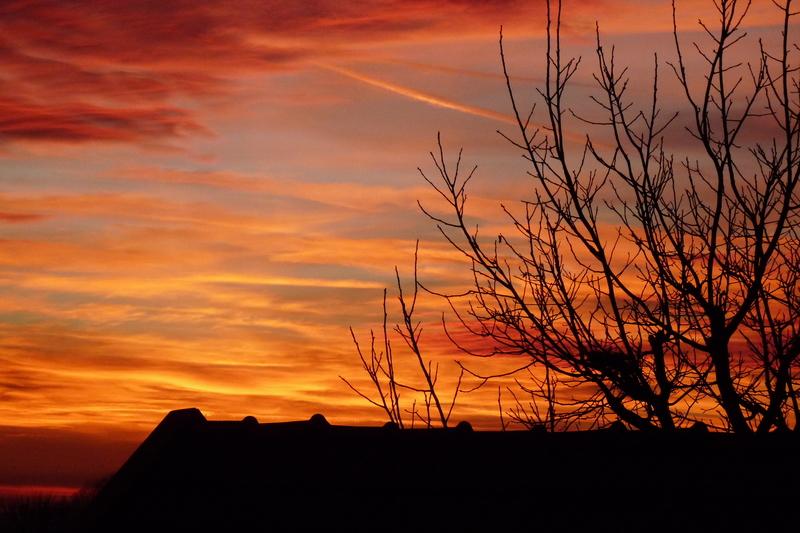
729, 399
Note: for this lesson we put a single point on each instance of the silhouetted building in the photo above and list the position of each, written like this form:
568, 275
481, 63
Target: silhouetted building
192, 474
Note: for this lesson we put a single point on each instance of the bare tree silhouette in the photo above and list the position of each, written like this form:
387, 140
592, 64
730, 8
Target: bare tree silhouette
638, 285
383, 372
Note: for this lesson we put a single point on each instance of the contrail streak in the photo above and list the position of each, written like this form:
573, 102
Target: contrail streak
438, 101
421, 96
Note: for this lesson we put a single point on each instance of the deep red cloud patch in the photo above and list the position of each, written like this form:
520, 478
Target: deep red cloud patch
20, 218
86, 122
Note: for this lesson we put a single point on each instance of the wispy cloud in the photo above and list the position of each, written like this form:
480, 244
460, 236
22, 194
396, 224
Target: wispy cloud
76, 122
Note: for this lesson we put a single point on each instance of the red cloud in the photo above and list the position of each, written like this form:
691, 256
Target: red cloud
85, 122
95, 70
17, 218
86, 62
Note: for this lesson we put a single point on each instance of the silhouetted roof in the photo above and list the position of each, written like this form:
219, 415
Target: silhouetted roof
192, 474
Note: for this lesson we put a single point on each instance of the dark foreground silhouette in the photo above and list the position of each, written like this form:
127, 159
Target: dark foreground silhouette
191, 474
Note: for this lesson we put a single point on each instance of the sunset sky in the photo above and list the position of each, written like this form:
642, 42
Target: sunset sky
198, 198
